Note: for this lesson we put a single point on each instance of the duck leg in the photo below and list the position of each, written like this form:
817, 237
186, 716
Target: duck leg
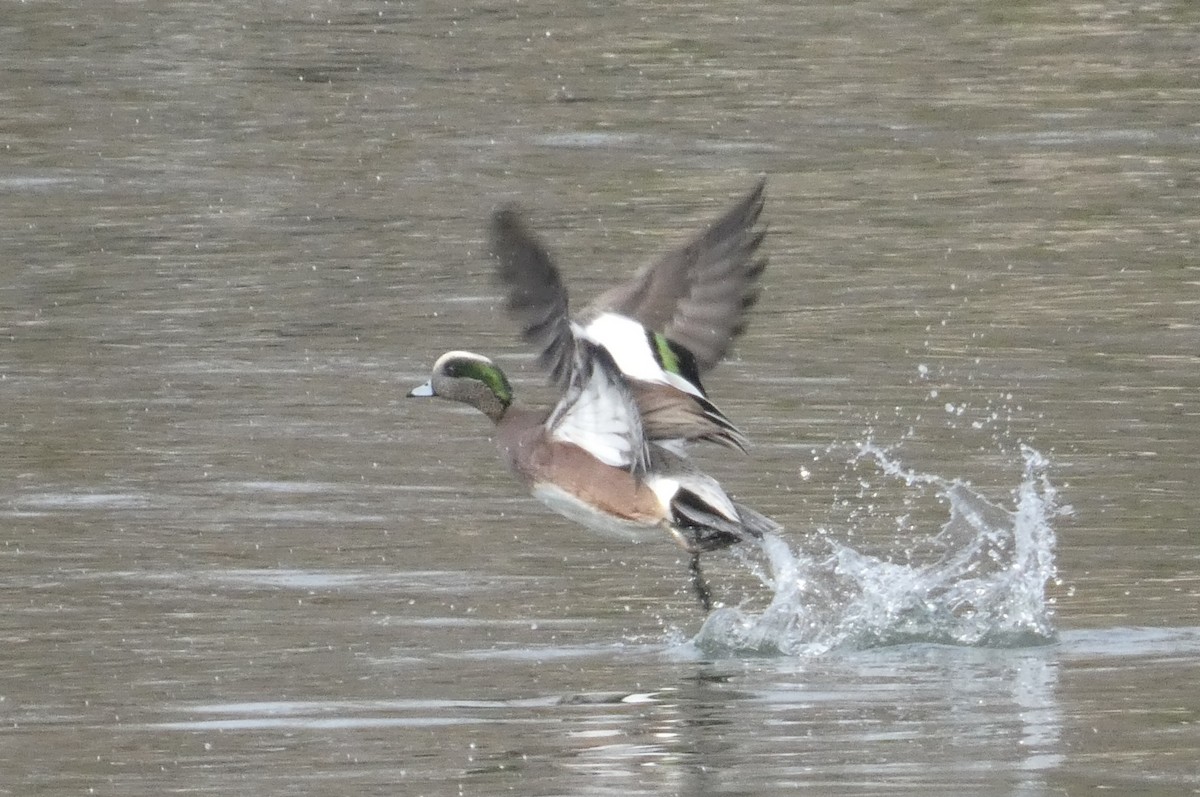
699, 585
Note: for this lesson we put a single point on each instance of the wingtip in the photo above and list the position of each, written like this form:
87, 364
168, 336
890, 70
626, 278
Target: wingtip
508, 235
758, 192
745, 213
758, 196
506, 217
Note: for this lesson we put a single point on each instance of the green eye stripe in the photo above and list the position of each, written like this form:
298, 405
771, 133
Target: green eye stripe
490, 375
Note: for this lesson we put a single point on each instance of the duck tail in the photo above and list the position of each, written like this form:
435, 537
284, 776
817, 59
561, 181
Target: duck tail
755, 522
702, 529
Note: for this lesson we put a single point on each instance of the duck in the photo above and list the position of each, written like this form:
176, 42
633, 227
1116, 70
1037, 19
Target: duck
613, 453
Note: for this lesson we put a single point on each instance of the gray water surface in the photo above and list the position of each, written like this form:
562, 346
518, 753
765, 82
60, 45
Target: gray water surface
234, 560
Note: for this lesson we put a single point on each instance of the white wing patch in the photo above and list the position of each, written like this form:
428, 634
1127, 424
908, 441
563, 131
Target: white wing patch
598, 413
628, 343
625, 339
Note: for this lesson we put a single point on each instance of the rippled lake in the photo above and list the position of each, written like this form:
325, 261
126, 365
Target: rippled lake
235, 560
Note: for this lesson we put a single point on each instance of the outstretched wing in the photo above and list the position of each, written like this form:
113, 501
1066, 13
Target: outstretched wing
537, 297
698, 294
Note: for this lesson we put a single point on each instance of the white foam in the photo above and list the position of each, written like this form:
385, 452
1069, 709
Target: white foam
981, 580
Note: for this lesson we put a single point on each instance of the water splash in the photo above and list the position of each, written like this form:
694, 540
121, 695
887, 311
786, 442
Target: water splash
980, 580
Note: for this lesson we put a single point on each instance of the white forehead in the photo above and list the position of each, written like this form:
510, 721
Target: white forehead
459, 355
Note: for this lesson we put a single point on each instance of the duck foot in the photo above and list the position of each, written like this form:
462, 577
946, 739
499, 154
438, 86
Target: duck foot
699, 585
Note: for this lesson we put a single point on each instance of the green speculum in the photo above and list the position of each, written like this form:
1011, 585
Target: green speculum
675, 359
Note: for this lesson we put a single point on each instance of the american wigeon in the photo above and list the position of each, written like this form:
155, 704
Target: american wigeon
610, 454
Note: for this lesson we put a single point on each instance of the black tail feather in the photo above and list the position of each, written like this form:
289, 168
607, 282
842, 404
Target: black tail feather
704, 530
